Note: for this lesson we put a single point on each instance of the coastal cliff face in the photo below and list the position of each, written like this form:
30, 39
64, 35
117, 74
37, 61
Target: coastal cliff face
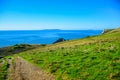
110, 31
106, 30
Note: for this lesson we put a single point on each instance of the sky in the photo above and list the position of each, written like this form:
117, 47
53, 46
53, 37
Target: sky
59, 14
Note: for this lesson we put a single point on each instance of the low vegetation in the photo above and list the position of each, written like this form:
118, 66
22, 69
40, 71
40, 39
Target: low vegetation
92, 58
6, 51
3, 69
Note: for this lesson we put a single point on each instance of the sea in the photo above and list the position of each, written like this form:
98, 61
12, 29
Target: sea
12, 37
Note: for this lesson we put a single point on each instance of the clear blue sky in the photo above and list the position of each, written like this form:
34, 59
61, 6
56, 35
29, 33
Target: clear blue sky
59, 14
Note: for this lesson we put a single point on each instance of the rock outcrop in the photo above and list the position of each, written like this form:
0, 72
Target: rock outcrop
59, 40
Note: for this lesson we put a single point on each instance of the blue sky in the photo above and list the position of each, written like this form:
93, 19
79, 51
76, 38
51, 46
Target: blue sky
59, 14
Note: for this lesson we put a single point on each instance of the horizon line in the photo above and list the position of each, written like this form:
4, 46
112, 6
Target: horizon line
45, 29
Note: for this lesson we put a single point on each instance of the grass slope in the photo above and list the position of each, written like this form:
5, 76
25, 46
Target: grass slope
6, 51
90, 58
93, 58
11, 50
3, 69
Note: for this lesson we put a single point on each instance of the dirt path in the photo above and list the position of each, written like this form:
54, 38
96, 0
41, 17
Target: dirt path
23, 70
10, 70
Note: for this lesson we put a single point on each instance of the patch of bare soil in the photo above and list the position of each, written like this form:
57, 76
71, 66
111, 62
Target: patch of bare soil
10, 70
23, 70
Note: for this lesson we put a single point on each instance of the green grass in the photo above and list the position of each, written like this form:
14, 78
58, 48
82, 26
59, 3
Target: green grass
92, 58
11, 50
3, 69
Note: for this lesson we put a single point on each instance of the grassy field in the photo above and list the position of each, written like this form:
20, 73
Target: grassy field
3, 69
92, 58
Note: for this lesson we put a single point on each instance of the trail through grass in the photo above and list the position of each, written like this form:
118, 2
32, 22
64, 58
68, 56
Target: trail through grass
93, 58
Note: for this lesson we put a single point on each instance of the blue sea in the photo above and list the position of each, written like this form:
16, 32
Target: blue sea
9, 38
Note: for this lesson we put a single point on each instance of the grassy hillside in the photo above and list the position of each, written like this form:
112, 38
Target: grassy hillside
93, 58
5, 56
6, 51
3, 69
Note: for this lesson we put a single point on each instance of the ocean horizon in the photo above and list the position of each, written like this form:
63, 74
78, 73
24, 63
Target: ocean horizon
46, 36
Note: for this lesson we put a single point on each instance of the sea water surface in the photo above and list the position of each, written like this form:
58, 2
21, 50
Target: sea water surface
9, 38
